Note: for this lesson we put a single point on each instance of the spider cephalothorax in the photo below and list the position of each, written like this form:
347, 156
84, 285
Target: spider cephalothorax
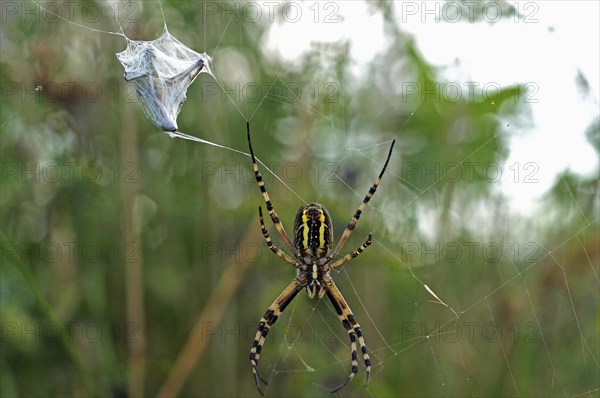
314, 259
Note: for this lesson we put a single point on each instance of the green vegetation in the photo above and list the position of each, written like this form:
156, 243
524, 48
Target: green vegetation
121, 246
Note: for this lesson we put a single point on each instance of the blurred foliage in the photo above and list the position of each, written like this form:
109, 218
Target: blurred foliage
89, 187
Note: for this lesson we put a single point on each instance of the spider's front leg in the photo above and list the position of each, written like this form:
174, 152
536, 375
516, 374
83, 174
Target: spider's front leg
352, 224
268, 319
267, 199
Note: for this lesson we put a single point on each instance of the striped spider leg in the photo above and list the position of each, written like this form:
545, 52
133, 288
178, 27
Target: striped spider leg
265, 194
313, 260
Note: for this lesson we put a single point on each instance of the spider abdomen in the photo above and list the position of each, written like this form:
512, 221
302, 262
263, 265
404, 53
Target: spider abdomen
313, 233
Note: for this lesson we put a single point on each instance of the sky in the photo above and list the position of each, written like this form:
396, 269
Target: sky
547, 48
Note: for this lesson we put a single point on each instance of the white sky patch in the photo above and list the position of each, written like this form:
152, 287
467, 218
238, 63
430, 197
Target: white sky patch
328, 22
544, 49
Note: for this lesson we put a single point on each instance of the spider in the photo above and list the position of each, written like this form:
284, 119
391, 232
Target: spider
314, 260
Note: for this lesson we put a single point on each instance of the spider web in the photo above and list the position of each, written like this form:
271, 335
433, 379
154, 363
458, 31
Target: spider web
444, 336
161, 72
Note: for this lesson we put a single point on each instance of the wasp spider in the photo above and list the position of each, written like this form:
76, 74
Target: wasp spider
313, 260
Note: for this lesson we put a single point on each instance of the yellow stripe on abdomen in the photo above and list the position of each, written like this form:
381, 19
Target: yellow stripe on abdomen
322, 231
305, 230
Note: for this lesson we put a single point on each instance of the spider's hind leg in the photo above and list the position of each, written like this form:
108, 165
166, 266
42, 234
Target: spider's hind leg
354, 332
268, 319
